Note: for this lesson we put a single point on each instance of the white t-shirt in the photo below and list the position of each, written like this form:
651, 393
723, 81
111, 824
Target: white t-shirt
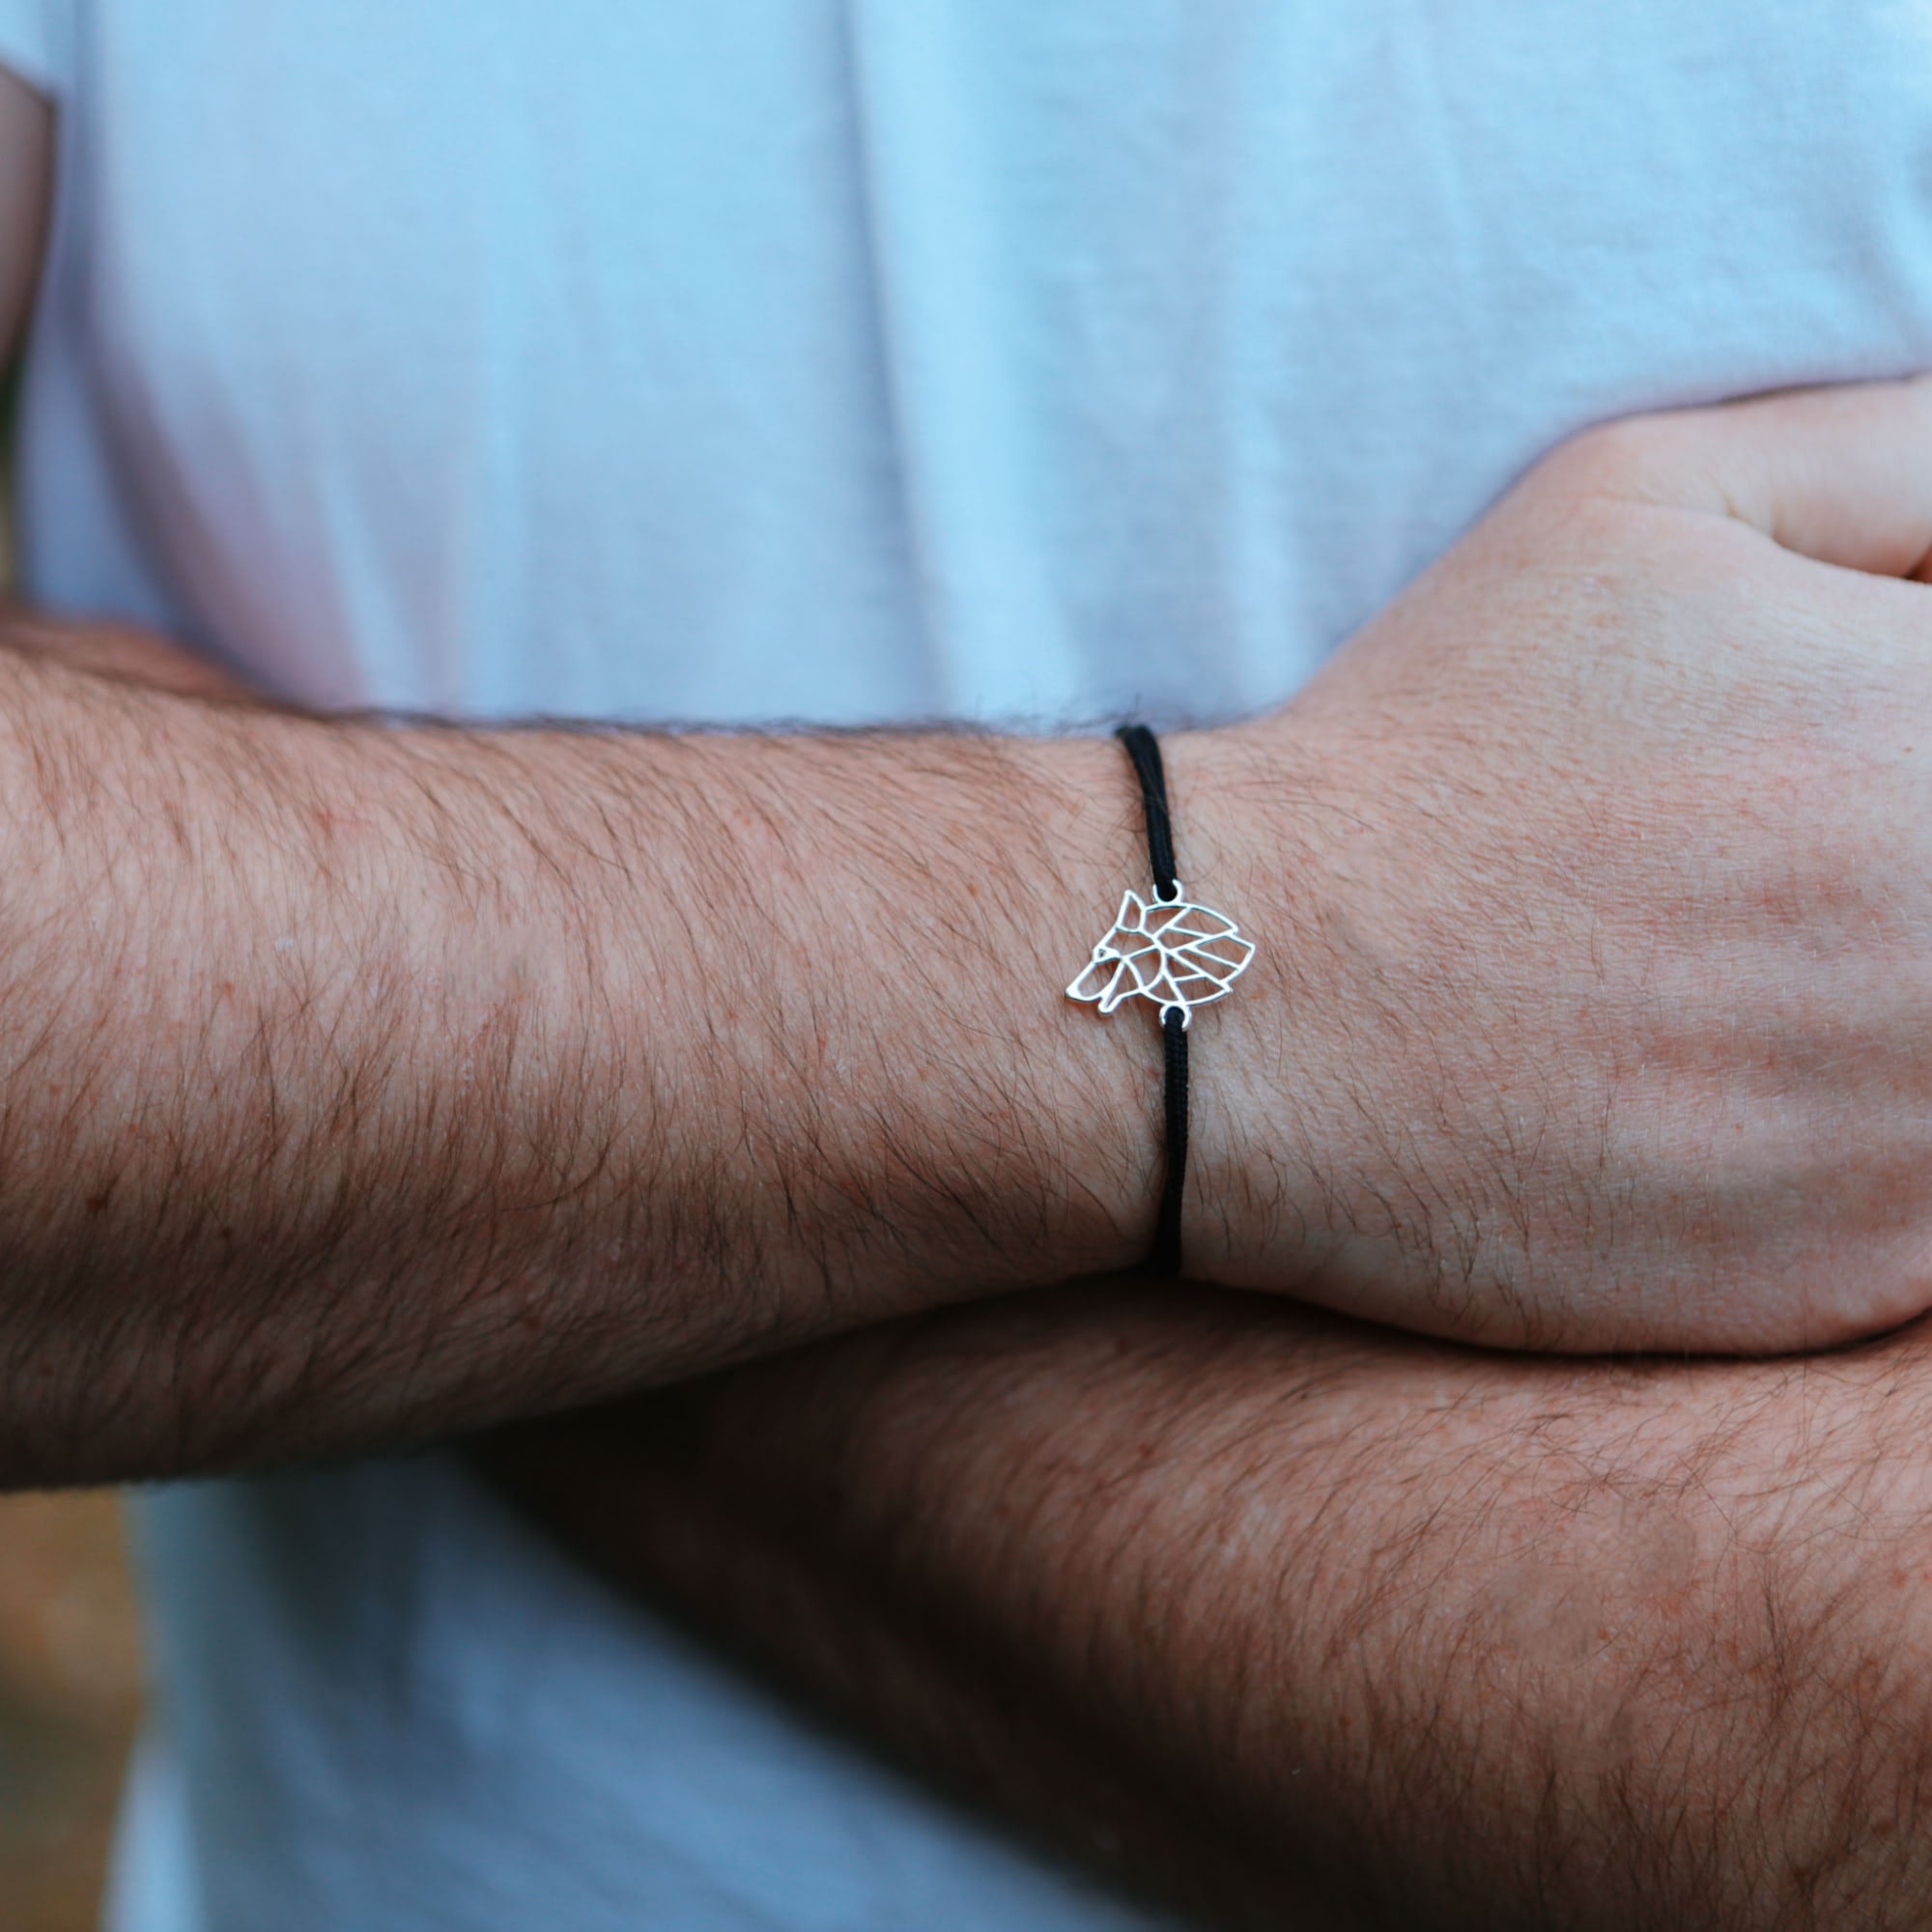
824, 361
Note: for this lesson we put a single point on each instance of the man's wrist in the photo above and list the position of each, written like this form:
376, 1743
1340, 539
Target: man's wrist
1052, 855
1235, 833
1260, 1091
882, 934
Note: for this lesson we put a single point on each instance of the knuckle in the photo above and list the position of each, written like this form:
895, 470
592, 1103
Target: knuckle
1625, 458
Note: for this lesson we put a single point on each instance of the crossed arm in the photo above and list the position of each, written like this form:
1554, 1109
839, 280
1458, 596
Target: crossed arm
368, 1082
363, 1084
1298, 1622
363, 1081
353, 1051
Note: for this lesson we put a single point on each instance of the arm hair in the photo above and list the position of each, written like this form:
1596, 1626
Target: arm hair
1289, 1621
362, 1080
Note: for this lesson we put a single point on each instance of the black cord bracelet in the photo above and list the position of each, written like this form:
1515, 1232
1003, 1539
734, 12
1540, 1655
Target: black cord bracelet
1175, 953
1144, 748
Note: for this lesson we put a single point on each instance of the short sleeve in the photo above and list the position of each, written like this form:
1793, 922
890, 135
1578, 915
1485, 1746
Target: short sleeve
37, 41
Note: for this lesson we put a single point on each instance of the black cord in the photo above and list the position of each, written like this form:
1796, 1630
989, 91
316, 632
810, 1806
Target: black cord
1166, 1256
1144, 750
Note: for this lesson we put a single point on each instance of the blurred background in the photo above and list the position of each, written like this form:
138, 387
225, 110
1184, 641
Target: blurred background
69, 1670
70, 1690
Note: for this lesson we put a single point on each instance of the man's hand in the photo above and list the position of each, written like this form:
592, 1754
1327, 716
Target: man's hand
1593, 886
1301, 1623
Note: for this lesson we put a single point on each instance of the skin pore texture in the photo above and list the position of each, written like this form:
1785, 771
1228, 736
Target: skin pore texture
1594, 909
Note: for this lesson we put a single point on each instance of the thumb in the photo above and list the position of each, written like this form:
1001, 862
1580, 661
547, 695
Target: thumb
1842, 475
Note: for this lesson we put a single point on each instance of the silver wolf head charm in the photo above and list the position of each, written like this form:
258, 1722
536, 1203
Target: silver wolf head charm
1174, 953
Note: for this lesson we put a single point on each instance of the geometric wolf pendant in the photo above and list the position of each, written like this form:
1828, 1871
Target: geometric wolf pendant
1179, 956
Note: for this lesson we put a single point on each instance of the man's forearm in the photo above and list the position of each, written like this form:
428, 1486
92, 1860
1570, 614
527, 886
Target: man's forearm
364, 1081
1304, 1624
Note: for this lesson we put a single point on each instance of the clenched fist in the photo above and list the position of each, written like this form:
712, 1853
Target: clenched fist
1594, 882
